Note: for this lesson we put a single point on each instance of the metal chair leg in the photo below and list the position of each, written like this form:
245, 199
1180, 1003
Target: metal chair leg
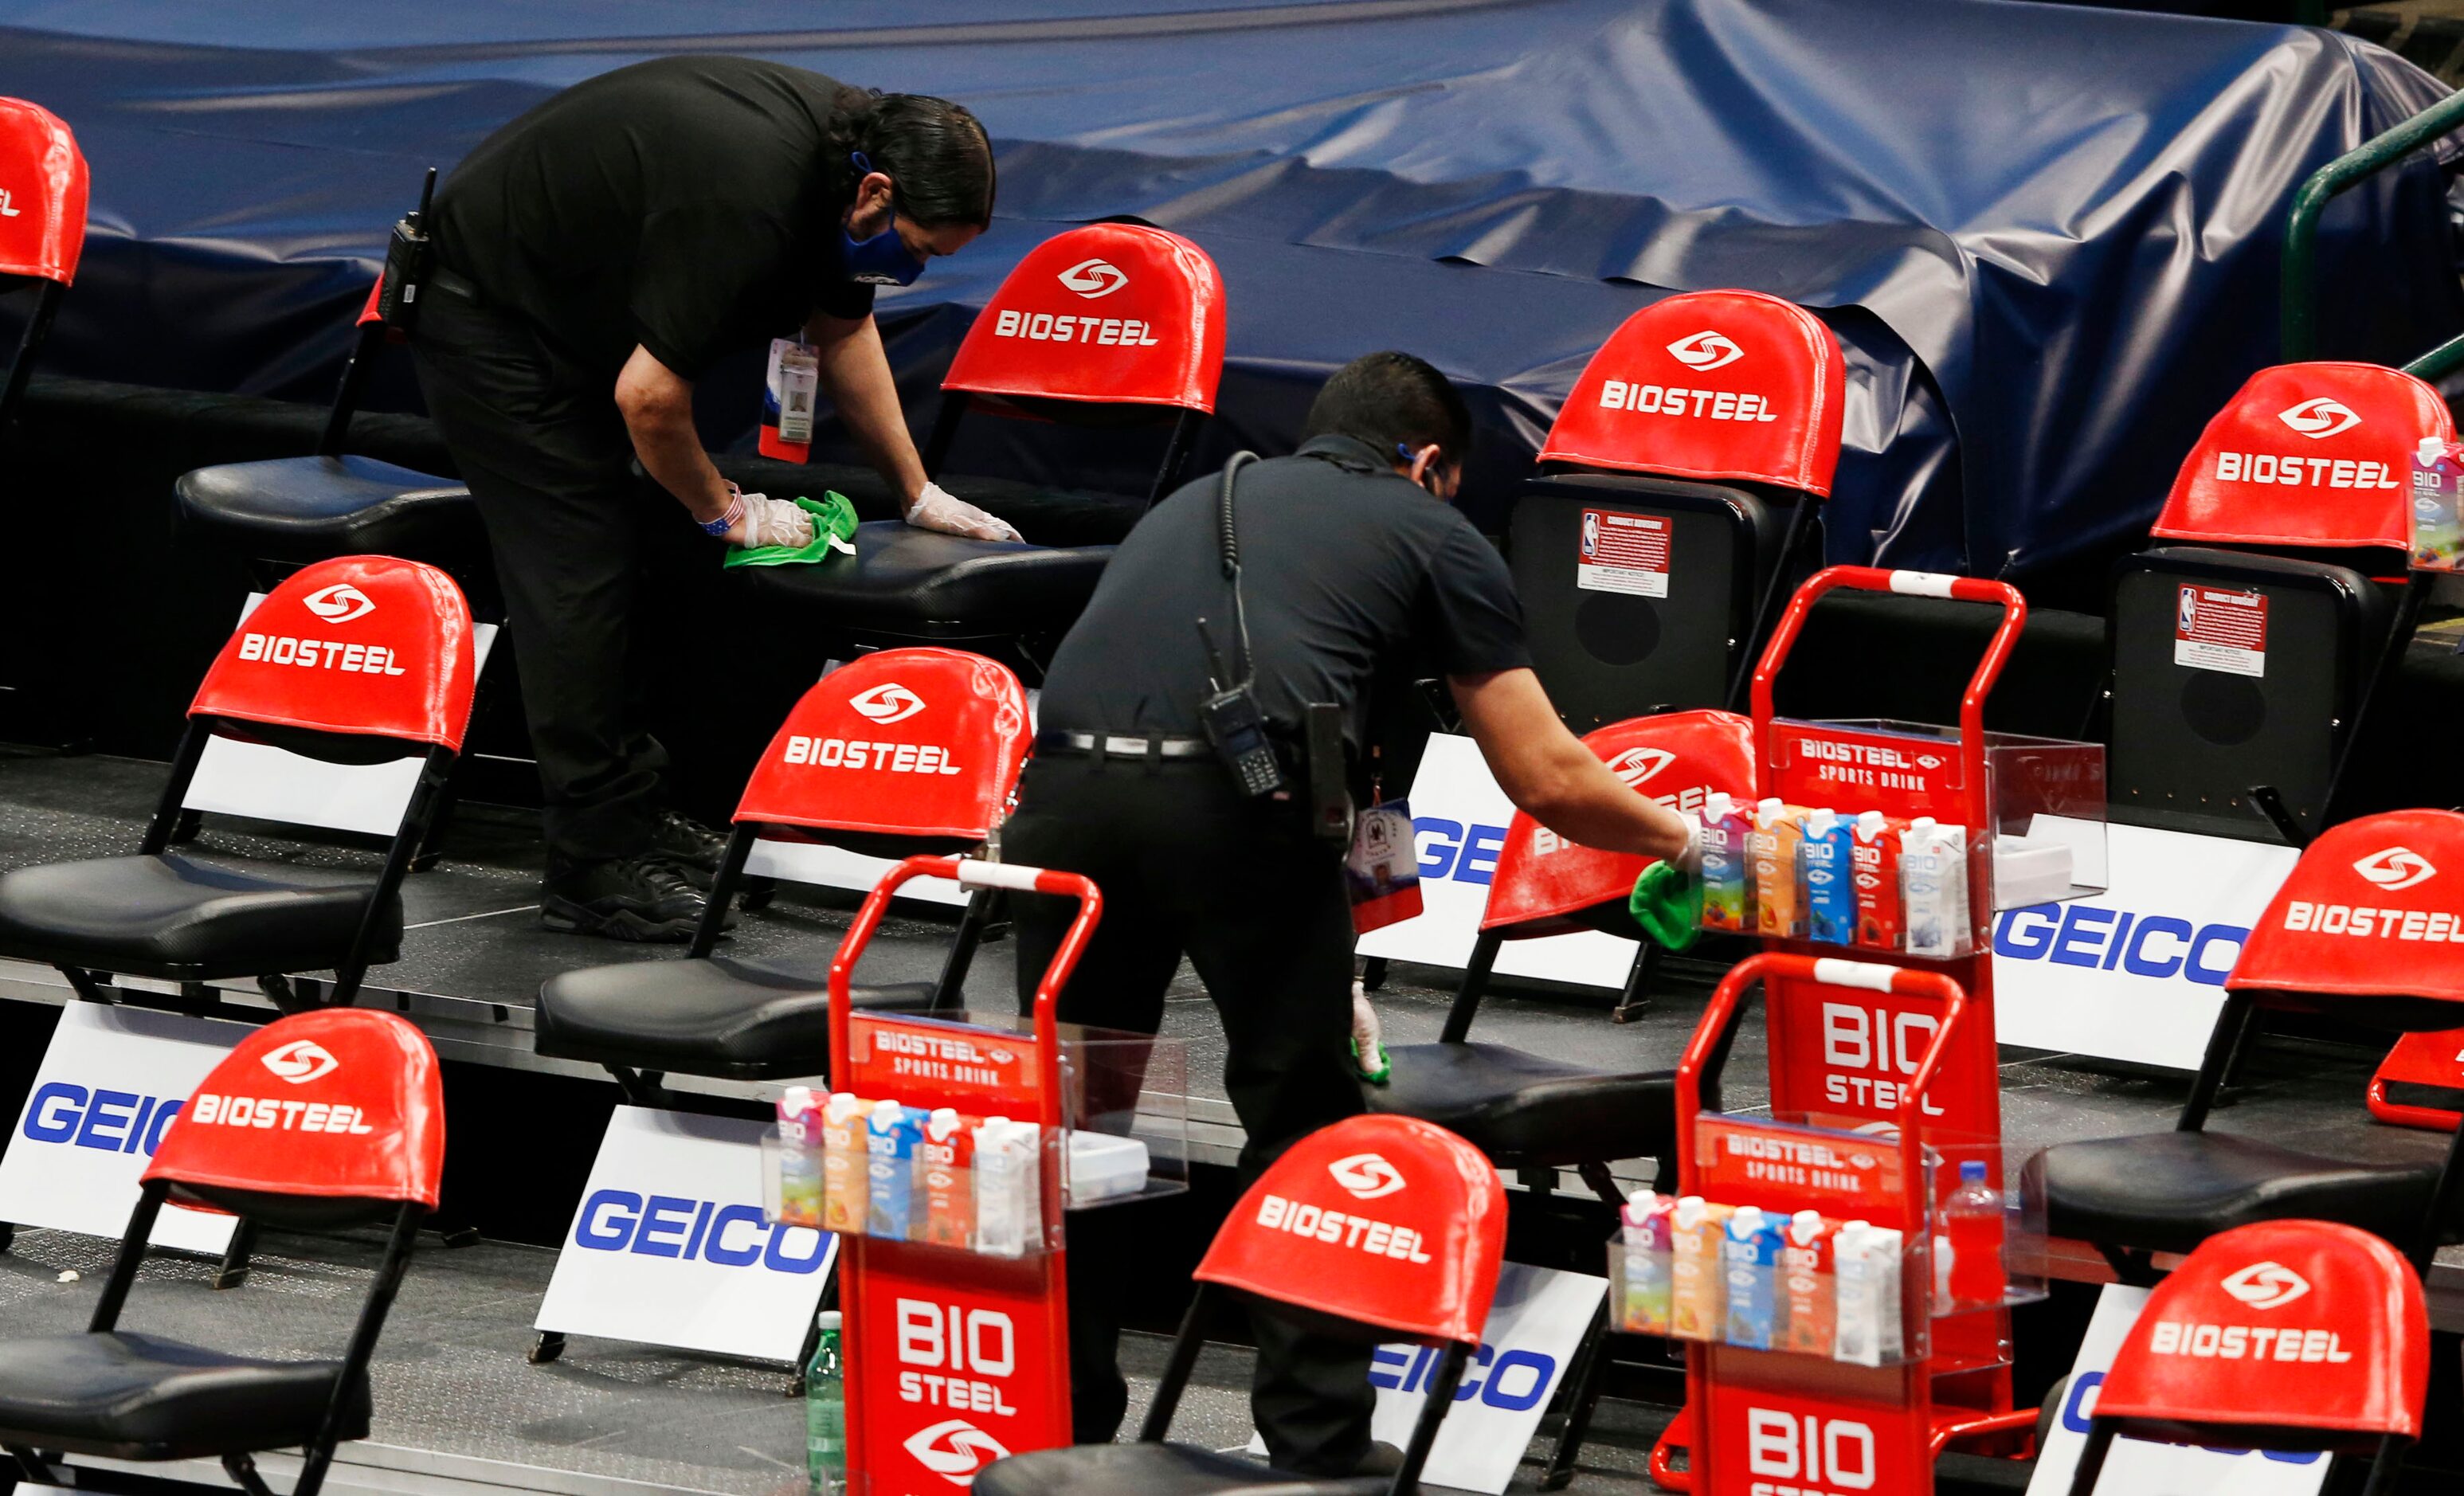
549, 1345
233, 1270
1582, 1400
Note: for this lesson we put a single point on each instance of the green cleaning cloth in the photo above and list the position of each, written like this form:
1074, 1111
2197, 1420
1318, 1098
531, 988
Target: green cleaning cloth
833, 528
1668, 906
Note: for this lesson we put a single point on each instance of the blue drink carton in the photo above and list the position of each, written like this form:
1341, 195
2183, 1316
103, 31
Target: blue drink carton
892, 1136
1830, 858
1750, 1254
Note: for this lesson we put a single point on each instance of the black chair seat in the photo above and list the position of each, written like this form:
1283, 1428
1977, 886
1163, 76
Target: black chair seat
712, 1016
136, 1398
1521, 1108
921, 584
309, 508
2168, 1192
181, 918
1155, 1470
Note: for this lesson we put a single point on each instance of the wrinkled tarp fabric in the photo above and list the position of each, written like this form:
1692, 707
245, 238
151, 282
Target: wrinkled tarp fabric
2046, 236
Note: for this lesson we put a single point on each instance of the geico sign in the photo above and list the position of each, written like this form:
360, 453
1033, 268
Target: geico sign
2260, 467
330, 655
2434, 926
1108, 331
111, 1121
1359, 1233
848, 752
2106, 939
2245, 1342
1703, 405
1512, 1381
693, 1230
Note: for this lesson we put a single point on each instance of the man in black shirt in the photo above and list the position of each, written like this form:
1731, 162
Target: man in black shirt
1351, 560
594, 258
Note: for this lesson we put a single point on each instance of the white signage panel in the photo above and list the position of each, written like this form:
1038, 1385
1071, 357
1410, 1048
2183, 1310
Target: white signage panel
112, 1081
270, 783
669, 1248
2135, 973
1458, 819
2133, 1468
1535, 1324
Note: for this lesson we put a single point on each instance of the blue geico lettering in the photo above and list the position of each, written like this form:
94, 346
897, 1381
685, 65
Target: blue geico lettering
1514, 1381
1449, 850
2101, 940
113, 1121
703, 1230
2075, 1415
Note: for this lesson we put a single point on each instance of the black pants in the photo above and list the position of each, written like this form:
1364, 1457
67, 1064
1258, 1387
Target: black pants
1186, 866
574, 529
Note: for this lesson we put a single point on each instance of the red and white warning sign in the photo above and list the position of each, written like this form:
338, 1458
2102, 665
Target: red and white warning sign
2217, 629
1623, 552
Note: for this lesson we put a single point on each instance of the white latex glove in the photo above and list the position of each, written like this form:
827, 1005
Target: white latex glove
1689, 862
935, 509
773, 522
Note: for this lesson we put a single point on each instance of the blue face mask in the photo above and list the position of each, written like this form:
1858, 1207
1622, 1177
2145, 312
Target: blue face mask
883, 259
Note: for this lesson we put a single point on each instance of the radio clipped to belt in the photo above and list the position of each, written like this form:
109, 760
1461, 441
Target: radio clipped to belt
406, 257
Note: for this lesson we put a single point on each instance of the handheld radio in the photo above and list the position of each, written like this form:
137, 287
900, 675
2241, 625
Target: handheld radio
406, 267
1230, 716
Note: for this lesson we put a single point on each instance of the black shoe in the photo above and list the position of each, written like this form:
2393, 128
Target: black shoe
636, 898
1380, 1459
695, 850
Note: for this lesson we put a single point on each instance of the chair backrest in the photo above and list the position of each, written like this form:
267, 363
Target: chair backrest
1678, 758
42, 194
2308, 456
921, 742
1108, 313
323, 1109
2369, 925
1711, 385
2299, 1334
360, 647
1387, 1222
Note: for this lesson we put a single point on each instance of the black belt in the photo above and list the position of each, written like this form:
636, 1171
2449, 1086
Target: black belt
1100, 746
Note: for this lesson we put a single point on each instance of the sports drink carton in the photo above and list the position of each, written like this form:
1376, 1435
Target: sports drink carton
1865, 1264
1779, 897
847, 1187
1009, 1202
1827, 856
1750, 1255
1727, 880
1933, 887
1874, 849
1812, 1303
1698, 1299
800, 1158
945, 1156
2438, 492
1648, 1218
890, 1133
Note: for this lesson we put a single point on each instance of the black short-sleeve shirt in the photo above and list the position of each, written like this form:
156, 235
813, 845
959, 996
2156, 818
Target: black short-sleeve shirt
1349, 571
689, 204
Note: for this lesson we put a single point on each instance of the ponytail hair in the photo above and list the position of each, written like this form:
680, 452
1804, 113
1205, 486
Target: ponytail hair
935, 151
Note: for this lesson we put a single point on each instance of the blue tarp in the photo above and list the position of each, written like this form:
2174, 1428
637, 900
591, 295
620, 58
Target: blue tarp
2047, 235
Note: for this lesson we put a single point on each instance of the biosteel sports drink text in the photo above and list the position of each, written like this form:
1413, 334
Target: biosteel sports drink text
1779, 897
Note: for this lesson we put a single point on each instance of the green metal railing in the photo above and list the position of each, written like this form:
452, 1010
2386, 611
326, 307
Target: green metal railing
2300, 299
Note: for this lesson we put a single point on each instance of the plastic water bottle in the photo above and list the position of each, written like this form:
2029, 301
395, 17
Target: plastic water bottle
825, 1412
1972, 1221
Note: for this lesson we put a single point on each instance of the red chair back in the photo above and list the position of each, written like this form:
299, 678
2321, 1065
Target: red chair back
1678, 758
2373, 909
42, 194
1109, 314
2281, 1332
365, 646
1714, 385
341, 1104
921, 742
1379, 1220
2308, 455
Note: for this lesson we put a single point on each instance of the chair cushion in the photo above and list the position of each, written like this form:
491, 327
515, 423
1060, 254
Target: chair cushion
2168, 1192
136, 1398
1155, 1470
180, 918
921, 584
309, 508
712, 1016
1521, 1108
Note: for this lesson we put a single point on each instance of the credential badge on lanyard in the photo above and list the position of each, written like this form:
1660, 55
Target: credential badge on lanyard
788, 395
1382, 871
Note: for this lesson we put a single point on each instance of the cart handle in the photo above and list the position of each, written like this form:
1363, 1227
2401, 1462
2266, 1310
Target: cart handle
970, 873
1707, 1051
2400, 1113
1907, 584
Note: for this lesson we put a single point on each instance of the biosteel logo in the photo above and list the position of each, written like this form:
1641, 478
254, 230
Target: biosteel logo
299, 1062
1366, 1176
955, 1449
887, 703
340, 604
2319, 417
1705, 351
1093, 277
2266, 1286
1636, 765
2396, 868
